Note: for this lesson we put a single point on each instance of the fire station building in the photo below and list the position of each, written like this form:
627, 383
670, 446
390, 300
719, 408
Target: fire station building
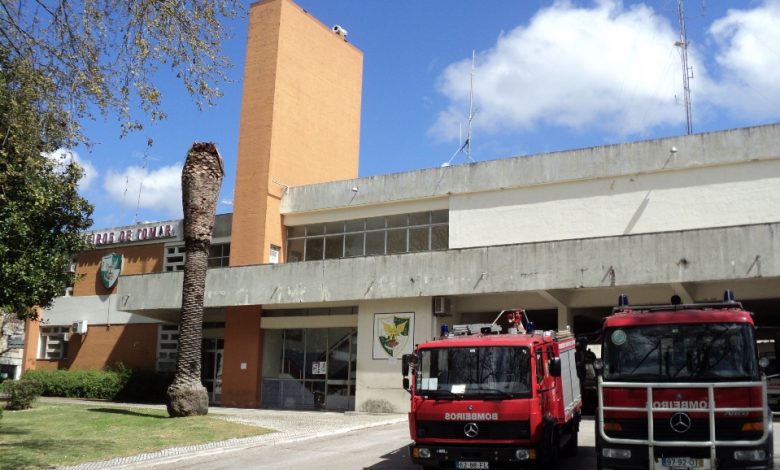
321, 280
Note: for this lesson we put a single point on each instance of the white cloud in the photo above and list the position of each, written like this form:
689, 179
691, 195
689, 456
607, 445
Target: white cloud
608, 67
749, 42
63, 157
160, 189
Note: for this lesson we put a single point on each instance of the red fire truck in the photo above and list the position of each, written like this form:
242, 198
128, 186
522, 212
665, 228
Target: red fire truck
682, 387
484, 400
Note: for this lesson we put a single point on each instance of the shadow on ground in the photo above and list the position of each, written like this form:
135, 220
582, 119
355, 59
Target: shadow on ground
121, 411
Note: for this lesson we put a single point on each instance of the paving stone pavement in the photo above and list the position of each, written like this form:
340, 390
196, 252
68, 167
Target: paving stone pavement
288, 426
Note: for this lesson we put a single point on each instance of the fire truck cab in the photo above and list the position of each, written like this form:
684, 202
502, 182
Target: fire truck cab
485, 400
681, 387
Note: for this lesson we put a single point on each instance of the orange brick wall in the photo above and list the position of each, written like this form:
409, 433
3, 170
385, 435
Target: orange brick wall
243, 344
300, 119
135, 345
138, 259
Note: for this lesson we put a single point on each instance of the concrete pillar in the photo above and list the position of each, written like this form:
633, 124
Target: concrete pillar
565, 317
243, 360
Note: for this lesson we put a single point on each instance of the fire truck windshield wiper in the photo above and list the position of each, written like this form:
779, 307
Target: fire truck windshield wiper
442, 392
495, 391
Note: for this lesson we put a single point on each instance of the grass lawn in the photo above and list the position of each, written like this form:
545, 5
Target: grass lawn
62, 434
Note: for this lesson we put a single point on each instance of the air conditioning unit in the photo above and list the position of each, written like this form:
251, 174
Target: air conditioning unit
442, 306
80, 327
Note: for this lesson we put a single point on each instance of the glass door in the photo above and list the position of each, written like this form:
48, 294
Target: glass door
212, 350
341, 365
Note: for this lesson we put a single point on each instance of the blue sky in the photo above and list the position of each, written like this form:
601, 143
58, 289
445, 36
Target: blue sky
549, 76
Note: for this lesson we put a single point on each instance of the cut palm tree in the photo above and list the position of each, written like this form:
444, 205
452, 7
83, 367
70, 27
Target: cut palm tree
201, 179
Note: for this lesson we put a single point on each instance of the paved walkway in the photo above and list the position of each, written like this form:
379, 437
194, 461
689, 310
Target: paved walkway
288, 426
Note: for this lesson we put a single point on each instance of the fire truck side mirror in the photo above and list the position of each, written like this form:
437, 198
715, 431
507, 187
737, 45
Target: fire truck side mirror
405, 365
406, 383
555, 367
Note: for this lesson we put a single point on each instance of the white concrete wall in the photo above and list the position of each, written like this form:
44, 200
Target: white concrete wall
95, 309
378, 386
698, 197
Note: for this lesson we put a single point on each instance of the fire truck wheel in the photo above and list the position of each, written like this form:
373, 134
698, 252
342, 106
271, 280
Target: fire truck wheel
551, 446
571, 446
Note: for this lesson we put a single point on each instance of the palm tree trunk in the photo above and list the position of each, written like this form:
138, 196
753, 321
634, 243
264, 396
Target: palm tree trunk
200, 182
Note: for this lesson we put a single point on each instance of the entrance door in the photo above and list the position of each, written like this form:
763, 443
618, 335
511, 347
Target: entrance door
212, 351
341, 363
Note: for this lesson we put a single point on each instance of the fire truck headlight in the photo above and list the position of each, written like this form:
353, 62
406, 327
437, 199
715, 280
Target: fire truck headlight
423, 453
524, 454
750, 455
616, 453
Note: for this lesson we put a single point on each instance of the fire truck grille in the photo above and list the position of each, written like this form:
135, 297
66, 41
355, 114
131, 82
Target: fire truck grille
487, 429
725, 430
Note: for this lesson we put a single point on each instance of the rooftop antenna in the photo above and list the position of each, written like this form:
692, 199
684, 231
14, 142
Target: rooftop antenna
687, 71
146, 158
465, 146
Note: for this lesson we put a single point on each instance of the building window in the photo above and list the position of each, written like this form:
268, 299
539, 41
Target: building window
219, 257
53, 343
174, 258
167, 344
400, 233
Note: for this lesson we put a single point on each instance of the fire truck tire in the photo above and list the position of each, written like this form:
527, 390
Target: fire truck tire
571, 446
551, 446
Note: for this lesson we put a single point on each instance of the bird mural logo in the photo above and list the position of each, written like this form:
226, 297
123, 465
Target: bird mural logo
394, 334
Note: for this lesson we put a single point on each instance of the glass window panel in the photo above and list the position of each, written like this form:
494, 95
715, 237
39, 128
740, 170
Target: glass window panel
396, 220
396, 241
375, 243
375, 223
316, 350
314, 248
440, 237
334, 247
334, 227
295, 250
215, 250
315, 229
420, 218
440, 217
296, 231
353, 245
418, 239
226, 249
355, 225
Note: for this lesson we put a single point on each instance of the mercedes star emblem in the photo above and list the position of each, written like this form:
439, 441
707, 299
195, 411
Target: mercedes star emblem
471, 430
680, 422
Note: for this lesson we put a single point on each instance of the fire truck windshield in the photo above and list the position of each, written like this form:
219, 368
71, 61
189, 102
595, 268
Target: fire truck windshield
474, 372
695, 351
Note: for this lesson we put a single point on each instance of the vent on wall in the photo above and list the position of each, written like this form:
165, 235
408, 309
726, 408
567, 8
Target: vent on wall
442, 306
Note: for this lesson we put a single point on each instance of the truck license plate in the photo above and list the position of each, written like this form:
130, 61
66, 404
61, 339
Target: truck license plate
683, 463
472, 465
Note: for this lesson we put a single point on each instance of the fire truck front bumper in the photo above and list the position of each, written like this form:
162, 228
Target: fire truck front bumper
470, 457
611, 456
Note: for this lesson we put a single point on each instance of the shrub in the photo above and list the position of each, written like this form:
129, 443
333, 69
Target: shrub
22, 394
94, 384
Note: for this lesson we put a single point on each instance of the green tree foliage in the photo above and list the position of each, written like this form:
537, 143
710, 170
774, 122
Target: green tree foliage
41, 212
104, 55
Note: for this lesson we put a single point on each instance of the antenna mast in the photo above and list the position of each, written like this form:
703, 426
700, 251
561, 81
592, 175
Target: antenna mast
687, 71
466, 145
471, 106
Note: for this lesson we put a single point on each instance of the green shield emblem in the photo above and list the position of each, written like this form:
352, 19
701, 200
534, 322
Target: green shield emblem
110, 269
